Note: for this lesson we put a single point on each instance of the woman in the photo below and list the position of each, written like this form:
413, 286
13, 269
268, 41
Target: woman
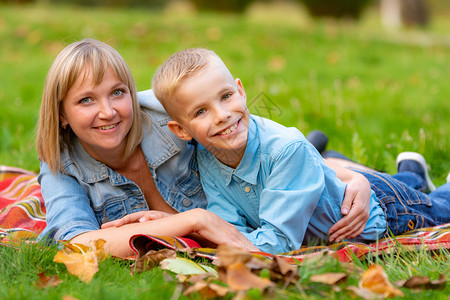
104, 155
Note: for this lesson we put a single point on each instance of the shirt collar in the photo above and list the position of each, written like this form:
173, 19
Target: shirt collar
248, 168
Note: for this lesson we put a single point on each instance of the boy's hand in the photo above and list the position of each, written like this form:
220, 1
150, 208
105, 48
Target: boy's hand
355, 208
214, 228
141, 216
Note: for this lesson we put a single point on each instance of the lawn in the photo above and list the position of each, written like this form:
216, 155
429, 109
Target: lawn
375, 93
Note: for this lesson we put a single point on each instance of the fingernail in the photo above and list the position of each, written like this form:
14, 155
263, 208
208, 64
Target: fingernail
143, 219
345, 211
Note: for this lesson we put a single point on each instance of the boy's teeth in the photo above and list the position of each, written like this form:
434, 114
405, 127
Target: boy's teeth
107, 127
229, 130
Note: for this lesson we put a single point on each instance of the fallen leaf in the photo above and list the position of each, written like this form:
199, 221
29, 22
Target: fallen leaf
363, 293
227, 255
185, 266
82, 265
80, 260
207, 290
376, 280
280, 270
45, 281
422, 282
330, 278
240, 278
151, 259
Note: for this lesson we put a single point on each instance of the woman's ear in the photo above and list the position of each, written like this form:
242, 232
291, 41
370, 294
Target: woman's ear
179, 131
63, 119
241, 89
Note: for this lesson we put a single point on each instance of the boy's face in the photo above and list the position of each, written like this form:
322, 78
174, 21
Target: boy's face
211, 108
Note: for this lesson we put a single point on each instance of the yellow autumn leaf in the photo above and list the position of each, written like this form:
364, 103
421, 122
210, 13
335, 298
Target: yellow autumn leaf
80, 260
376, 280
82, 265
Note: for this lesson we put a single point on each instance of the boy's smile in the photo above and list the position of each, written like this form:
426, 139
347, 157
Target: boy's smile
210, 107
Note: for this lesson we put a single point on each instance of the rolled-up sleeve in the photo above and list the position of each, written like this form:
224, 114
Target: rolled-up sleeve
68, 209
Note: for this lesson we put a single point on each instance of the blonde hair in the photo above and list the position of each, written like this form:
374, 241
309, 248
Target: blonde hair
71, 63
180, 66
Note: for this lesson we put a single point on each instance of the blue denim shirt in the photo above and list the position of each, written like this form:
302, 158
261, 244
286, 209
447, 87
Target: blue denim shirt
281, 193
89, 193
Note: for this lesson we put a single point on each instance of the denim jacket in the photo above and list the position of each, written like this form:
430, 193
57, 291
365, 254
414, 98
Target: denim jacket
88, 193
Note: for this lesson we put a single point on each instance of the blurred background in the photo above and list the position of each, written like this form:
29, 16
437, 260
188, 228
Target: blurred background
373, 75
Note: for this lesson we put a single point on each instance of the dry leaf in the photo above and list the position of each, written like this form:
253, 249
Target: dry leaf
363, 293
82, 265
280, 270
151, 259
376, 280
422, 282
227, 255
207, 290
80, 260
330, 278
240, 278
47, 281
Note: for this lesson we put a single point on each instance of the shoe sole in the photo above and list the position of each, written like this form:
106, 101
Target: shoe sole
421, 160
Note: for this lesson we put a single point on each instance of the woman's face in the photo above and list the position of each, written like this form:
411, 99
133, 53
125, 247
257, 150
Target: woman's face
99, 115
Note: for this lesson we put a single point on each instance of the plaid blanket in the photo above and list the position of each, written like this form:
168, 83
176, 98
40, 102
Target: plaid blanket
22, 209
22, 215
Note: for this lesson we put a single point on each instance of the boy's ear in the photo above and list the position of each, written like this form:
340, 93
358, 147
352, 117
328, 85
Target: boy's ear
179, 131
241, 89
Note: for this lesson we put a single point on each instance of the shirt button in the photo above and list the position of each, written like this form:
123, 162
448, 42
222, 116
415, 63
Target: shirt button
247, 189
187, 202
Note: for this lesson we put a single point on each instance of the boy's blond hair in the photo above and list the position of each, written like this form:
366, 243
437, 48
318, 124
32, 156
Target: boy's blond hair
177, 68
75, 60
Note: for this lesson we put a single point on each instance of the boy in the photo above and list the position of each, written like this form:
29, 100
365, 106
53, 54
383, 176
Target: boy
262, 177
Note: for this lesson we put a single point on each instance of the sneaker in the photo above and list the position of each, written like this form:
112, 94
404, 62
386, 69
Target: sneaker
414, 162
318, 139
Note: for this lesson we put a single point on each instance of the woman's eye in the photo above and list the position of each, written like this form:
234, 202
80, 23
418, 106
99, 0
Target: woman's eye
117, 93
86, 100
199, 112
226, 96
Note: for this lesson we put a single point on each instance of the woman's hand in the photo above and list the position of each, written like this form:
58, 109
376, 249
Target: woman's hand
141, 216
355, 208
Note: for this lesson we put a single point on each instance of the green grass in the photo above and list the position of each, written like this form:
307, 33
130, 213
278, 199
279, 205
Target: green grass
21, 266
375, 94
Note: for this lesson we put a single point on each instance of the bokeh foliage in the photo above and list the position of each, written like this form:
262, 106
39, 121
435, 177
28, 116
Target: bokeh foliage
373, 92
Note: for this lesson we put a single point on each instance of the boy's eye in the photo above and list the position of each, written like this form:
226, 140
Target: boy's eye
86, 100
226, 96
199, 112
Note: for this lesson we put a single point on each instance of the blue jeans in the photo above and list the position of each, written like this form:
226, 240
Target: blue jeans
405, 206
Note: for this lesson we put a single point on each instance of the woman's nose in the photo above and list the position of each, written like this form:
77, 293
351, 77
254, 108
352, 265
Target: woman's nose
106, 110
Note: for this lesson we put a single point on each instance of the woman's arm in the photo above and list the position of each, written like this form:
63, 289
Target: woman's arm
206, 224
355, 206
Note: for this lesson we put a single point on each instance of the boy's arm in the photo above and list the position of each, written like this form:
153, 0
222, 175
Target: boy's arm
356, 204
291, 193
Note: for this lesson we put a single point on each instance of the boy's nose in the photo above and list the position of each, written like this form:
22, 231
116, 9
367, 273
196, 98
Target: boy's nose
222, 115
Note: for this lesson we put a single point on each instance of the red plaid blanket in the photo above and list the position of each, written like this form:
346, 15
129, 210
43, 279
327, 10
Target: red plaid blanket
22, 215
22, 210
